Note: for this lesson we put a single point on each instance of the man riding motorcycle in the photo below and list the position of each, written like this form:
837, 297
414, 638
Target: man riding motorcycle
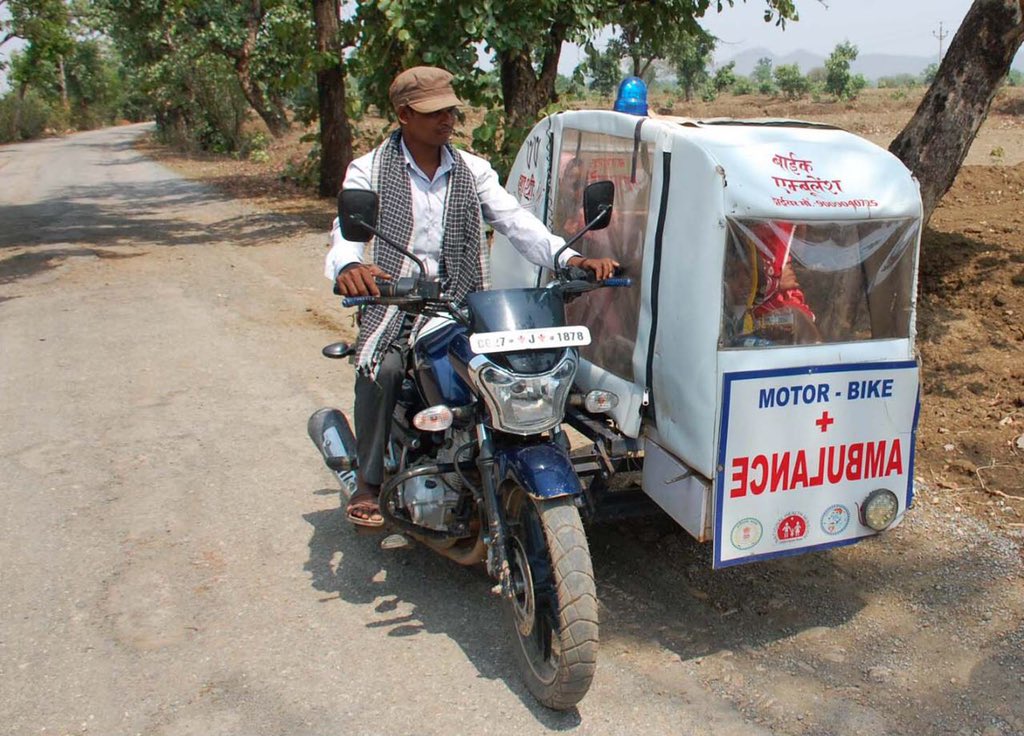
432, 200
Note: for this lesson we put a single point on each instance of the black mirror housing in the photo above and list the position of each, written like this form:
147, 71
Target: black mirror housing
597, 203
357, 207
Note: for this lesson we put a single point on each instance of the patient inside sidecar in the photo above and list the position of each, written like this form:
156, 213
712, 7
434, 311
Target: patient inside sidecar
765, 304
804, 283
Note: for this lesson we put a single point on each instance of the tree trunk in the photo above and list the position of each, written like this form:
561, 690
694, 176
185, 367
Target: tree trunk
276, 124
16, 125
62, 86
521, 94
525, 92
935, 142
335, 131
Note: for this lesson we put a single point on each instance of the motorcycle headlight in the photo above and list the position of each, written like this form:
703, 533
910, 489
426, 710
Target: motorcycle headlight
523, 404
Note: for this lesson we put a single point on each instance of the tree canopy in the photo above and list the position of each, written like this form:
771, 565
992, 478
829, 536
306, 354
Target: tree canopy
202, 67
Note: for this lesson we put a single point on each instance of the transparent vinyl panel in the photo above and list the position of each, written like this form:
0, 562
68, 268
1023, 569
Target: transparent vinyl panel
612, 315
802, 283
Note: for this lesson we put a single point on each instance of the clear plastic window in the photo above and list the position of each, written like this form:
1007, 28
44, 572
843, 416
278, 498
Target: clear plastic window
801, 283
611, 314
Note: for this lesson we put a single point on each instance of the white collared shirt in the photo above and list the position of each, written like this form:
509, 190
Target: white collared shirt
499, 209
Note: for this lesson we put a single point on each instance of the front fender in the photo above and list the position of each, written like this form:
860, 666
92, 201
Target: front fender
543, 471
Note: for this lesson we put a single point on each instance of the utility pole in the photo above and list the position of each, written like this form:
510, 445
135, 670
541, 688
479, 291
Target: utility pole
941, 36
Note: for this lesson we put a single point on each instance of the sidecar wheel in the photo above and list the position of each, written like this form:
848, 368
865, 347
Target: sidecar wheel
553, 610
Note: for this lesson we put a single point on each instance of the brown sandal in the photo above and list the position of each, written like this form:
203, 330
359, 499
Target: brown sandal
365, 503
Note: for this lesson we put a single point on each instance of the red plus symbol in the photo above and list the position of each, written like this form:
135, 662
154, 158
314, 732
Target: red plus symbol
825, 421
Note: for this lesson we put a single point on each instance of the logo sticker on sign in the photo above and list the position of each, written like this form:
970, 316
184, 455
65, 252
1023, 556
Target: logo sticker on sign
800, 449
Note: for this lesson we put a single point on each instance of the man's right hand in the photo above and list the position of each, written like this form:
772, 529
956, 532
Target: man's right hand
358, 279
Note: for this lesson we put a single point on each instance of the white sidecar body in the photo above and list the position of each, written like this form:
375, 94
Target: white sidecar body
765, 354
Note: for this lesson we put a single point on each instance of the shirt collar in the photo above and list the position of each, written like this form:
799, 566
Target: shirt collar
446, 163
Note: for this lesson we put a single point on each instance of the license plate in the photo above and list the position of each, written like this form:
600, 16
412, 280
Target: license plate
536, 339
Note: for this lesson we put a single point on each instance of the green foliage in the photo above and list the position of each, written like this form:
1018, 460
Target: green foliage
690, 58
94, 84
496, 139
791, 82
838, 80
1015, 78
26, 118
742, 86
602, 67
724, 77
928, 75
762, 77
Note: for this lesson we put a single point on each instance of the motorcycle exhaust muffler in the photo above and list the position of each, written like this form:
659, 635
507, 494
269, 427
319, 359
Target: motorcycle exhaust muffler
330, 432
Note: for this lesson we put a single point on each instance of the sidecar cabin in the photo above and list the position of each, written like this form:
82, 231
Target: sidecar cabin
765, 255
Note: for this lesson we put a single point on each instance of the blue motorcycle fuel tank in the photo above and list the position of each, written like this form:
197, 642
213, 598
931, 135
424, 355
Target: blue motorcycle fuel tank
438, 380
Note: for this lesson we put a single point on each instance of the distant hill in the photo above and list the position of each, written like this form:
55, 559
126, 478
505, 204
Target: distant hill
871, 66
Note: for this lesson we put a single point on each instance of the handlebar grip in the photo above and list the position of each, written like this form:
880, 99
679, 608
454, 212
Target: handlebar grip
386, 287
356, 301
619, 281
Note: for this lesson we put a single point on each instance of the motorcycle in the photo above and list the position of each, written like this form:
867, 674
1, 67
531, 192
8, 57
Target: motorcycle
478, 467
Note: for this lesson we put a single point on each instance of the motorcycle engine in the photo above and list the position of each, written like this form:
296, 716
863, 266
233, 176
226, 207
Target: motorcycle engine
430, 499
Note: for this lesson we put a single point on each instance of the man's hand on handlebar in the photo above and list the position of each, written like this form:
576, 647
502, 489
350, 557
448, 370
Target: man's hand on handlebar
603, 268
358, 279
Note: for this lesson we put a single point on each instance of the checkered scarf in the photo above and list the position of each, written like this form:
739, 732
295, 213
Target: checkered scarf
463, 264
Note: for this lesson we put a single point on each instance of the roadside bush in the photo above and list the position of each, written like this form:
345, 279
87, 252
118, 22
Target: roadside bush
203, 109
304, 173
791, 82
255, 147
762, 78
24, 119
838, 80
725, 77
742, 86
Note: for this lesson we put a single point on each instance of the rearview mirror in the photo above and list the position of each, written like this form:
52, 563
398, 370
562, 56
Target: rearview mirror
356, 209
597, 204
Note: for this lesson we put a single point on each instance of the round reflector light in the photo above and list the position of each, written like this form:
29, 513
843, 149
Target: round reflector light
879, 509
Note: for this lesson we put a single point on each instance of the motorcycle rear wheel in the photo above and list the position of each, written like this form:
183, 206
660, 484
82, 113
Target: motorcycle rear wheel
553, 610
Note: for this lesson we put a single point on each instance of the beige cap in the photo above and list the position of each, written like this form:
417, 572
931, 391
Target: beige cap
424, 89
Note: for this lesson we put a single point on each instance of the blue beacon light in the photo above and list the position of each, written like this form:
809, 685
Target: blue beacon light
632, 96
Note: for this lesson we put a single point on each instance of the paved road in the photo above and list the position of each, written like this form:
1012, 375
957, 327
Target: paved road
173, 557
174, 562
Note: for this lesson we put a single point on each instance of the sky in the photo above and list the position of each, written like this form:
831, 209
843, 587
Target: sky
904, 27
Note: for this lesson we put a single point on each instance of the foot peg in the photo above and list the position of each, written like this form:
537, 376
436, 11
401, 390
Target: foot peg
395, 541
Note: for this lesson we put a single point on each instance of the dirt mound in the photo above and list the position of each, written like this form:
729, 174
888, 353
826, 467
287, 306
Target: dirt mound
971, 339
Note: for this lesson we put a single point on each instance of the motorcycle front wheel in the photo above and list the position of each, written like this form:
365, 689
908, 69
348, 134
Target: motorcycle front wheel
553, 609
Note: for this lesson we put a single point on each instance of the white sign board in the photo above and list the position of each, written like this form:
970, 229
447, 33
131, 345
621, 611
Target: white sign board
800, 450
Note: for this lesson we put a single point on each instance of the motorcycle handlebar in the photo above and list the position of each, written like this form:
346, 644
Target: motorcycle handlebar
357, 301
